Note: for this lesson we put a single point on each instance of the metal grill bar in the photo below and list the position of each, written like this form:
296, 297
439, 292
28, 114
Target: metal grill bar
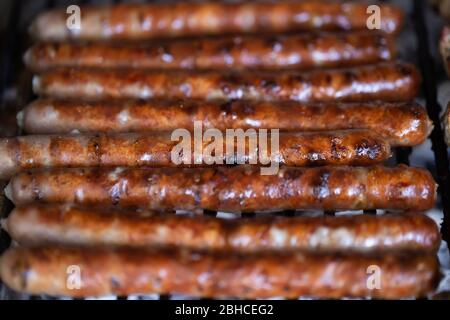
402, 155
50, 4
439, 147
210, 213
9, 48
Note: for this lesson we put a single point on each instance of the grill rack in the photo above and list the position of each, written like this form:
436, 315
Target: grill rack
16, 91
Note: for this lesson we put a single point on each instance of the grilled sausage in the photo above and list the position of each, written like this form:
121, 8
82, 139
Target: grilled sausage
356, 147
103, 271
137, 22
385, 81
402, 124
69, 225
232, 189
304, 51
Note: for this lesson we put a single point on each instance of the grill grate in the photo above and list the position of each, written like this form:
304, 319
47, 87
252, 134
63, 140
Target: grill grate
439, 147
15, 91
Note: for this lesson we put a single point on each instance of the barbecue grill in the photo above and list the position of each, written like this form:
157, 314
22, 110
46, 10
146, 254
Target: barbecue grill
417, 43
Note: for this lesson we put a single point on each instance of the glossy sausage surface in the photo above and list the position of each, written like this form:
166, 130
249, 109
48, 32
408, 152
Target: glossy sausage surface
232, 189
45, 270
355, 147
302, 51
71, 225
384, 81
137, 22
402, 124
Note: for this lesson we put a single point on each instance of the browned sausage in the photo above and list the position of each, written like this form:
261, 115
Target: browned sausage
133, 22
385, 81
232, 189
304, 51
66, 224
355, 147
402, 124
51, 270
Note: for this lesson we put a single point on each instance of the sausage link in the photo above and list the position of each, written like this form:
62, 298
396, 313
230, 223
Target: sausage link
138, 22
356, 147
304, 51
232, 189
69, 225
402, 124
44, 270
385, 81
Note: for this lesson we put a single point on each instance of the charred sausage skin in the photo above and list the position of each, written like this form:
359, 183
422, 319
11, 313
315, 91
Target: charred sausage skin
232, 189
356, 147
299, 51
72, 225
138, 22
44, 270
404, 124
384, 81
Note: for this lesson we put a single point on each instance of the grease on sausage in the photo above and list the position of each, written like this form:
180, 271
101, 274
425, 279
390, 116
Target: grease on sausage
232, 189
384, 81
357, 147
137, 22
43, 270
402, 124
300, 51
71, 225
